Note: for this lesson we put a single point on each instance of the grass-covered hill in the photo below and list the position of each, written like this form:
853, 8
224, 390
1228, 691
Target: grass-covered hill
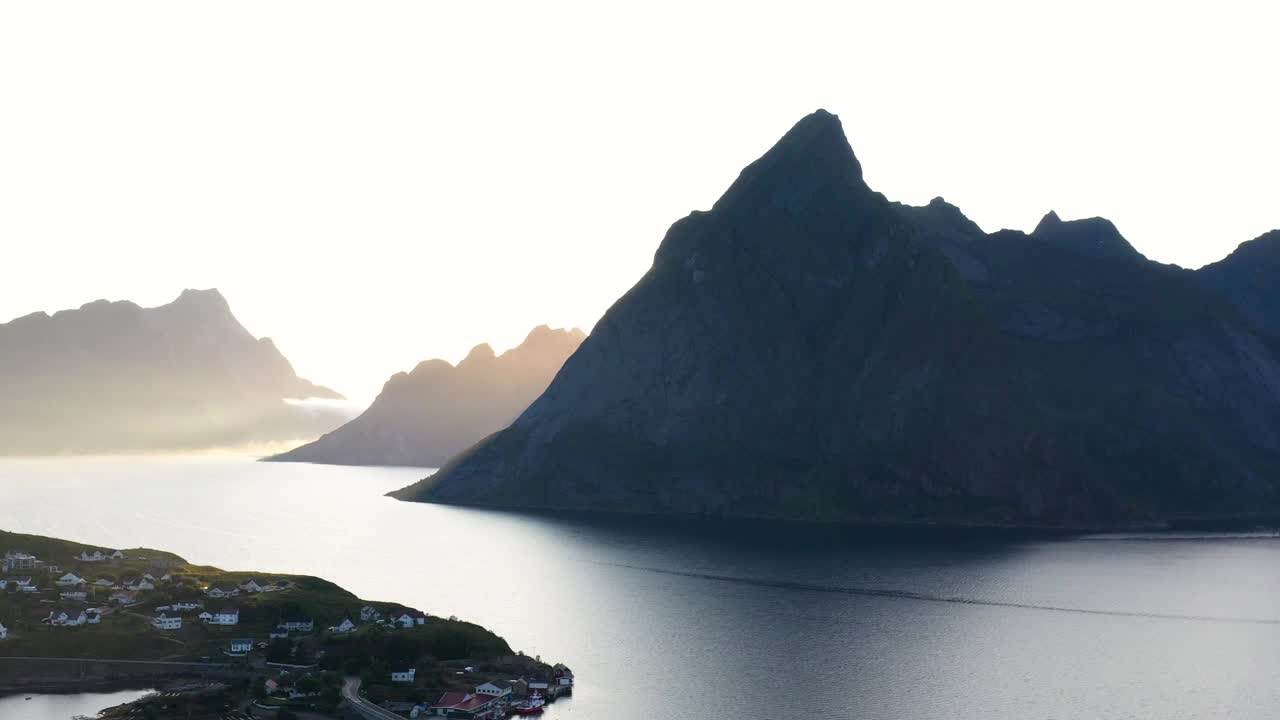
126, 630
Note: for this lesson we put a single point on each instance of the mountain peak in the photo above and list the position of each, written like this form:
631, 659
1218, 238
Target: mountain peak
812, 156
208, 300
539, 331
545, 334
1097, 236
1048, 222
479, 353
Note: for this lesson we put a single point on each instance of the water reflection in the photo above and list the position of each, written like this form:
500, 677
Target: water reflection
691, 619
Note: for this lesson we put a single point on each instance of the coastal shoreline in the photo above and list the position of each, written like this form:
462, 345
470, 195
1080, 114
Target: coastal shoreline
888, 529
59, 676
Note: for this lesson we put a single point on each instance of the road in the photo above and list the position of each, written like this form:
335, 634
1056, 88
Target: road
170, 663
351, 691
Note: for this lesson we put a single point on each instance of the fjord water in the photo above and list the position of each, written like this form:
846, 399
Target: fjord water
61, 707
680, 619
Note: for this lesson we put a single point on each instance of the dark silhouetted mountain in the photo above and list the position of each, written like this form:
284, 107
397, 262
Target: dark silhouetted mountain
425, 417
116, 377
1250, 279
808, 350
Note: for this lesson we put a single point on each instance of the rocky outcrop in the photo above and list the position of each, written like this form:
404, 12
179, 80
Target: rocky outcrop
424, 417
808, 350
116, 377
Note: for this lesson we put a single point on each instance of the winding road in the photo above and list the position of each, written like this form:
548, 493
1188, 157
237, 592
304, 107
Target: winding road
351, 691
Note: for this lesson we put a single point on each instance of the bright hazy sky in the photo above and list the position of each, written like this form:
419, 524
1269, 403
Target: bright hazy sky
374, 184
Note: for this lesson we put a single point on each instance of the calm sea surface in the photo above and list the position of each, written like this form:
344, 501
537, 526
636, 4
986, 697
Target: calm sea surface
722, 620
61, 707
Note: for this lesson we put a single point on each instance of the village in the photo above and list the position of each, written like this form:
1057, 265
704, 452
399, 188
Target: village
301, 643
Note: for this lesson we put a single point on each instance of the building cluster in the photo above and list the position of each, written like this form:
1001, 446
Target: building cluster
370, 615
127, 592
71, 587
250, 586
495, 699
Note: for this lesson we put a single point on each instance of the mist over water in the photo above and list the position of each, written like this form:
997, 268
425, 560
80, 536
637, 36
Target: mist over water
678, 619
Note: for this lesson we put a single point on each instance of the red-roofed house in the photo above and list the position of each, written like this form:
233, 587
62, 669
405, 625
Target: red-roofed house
467, 705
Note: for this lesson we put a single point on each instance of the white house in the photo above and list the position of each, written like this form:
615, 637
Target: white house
252, 586
140, 584
166, 578
70, 579
369, 613
403, 674
495, 688
298, 624
186, 605
14, 560
278, 633
94, 616
408, 620
67, 618
104, 583
205, 617
217, 592
225, 617
95, 556
117, 555
74, 595
164, 622
4, 632
343, 627
149, 576
241, 646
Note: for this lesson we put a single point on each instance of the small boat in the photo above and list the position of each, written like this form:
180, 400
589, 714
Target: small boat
532, 706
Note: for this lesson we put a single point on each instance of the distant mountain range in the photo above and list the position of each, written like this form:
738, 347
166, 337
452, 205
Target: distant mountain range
807, 349
116, 377
424, 417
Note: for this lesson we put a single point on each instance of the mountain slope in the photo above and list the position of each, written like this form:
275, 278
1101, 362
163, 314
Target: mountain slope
113, 376
808, 350
1250, 279
425, 417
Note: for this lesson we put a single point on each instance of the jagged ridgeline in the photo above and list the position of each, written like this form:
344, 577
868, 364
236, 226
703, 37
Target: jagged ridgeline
116, 377
423, 418
807, 349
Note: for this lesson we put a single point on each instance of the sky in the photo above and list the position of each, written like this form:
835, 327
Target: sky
376, 184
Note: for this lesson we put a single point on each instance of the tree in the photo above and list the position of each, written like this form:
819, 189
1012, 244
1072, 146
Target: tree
280, 651
329, 698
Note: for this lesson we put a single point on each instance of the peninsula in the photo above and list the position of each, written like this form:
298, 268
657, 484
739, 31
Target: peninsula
75, 617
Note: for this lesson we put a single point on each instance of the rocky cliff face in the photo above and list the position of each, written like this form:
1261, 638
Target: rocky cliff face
114, 377
424, 417
806, 349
